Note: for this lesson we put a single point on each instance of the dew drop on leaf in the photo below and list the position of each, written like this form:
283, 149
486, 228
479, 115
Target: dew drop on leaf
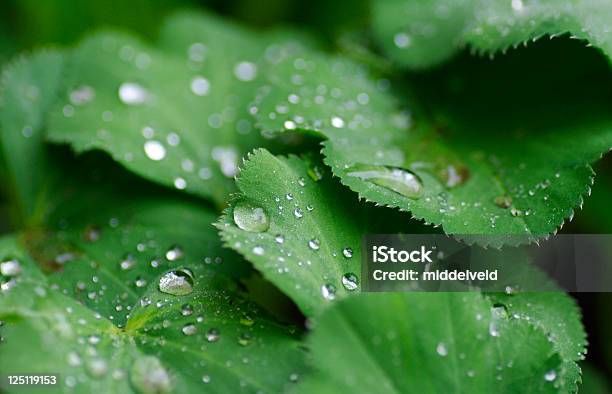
350, 281
178, 282
347, 252
298, 213
244, 339
314, 244
174, 253
213, 335
186, 310
10, 267
96, 368
189, 329
398, 180
441, 349
131, 93
82, 95
200, 86
250, 217
245, 71
503, 201
148, 376
550, 375
127, 262
154, 150
328, 291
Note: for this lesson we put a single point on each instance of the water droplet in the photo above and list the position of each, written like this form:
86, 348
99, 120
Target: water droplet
140, 282
149, 376
127, 262
131, 93
227, 157
96, 368
402, 40
328, 291
258, 250
550, 375
154, 150
347, 252
289, 196
279, 239
92, 234
245, 71
178, 283
10, 267
180, 183
294, 377
174, 253
314, 244
398, 180
337, 122
350, 281
298, 213
517, 5
196, 52
503, 201
206, 378
200, 86
189, 329
247, 321
244, 339
453, 176
186, 310
441, 349
82, 95
250, 217
213, 335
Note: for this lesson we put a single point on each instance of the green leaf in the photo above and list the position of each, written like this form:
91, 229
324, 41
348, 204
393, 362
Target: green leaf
453, 161
29, 87
298, 227
421, 34
420, 342
558, 316
211, 339
176, 115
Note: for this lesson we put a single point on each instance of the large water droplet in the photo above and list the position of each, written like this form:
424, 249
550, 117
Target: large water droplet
149, 376
154, 150
131, 93
250, 217
350, 281
399, 180
178, 282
